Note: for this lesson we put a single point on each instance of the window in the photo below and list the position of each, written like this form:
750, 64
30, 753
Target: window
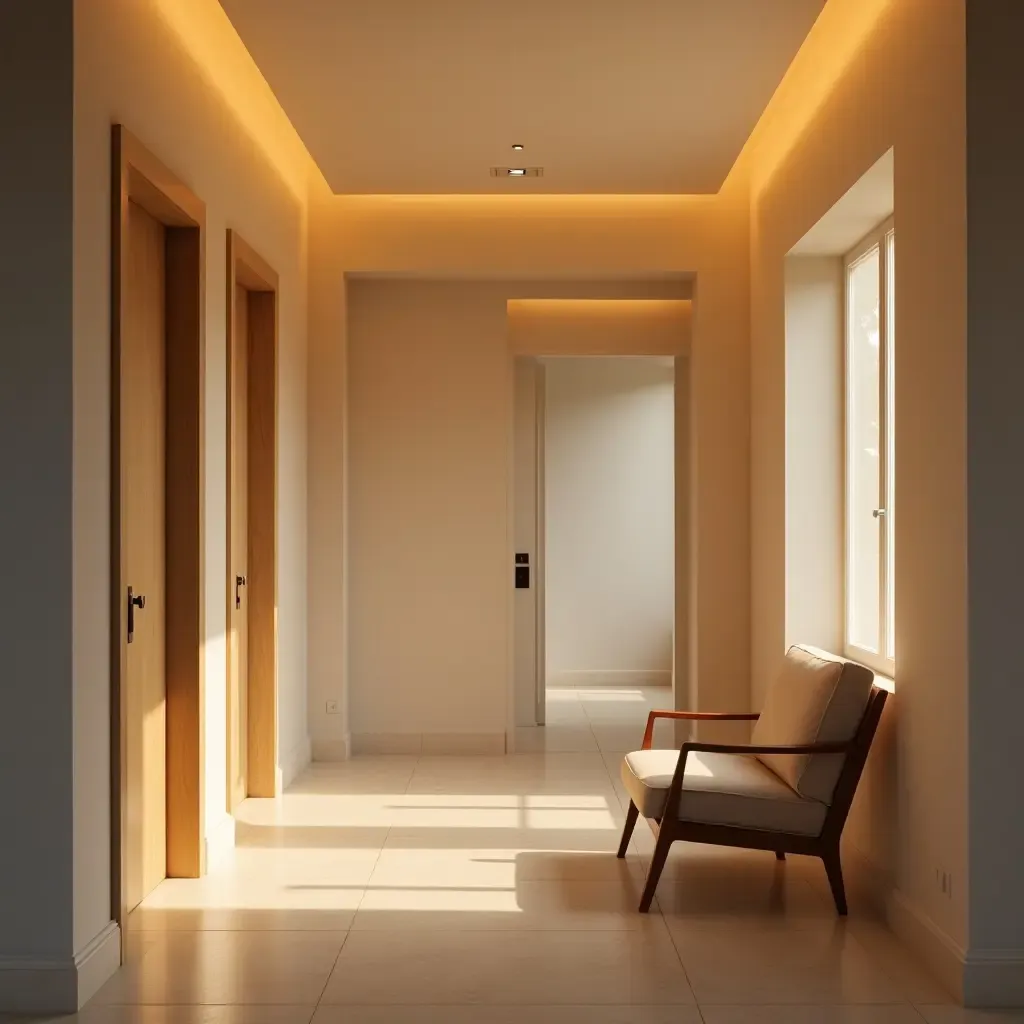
870, 451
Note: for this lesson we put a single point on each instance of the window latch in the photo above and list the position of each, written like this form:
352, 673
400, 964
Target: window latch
878, 513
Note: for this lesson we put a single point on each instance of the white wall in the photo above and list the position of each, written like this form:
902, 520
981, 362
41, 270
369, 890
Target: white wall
430, 424
430, 399
36, 701
815, 461
995, 500
876, 75
559, 240
610, 509
177, 76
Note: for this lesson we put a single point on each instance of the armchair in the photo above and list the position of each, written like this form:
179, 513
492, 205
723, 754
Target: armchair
788, 791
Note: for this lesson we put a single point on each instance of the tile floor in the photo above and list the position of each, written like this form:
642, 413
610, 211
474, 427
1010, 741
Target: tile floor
405, 890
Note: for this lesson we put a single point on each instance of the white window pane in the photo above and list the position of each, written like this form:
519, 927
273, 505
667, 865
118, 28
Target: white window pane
890, 447
863, 497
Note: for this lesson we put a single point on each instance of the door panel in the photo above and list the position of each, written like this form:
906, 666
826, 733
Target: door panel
143, 452
238, 561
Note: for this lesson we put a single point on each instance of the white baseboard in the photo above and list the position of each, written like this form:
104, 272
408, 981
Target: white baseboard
40, 985
97, 962
610, 677
333, 750
294, 762
977, 978
936, 950
220, 841
994, 978
431, 743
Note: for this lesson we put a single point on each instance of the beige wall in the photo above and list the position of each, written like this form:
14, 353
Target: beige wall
558, 240
596, 327
178, 77
430, 421
610, 508
876, 75
429, 428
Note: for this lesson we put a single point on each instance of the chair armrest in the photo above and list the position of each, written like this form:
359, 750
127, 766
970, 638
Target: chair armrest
676, 787
696, 716
748, 748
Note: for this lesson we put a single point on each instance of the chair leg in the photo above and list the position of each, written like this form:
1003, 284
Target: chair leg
779, 855
631, 815
661, 849
834, 870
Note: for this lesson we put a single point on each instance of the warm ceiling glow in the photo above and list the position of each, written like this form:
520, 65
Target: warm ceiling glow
517, 146
833, 43
207, 35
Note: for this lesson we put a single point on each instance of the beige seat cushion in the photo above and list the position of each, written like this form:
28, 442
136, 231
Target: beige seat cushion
720, 789
817, 698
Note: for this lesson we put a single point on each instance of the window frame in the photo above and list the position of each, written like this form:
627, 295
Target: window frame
881, 238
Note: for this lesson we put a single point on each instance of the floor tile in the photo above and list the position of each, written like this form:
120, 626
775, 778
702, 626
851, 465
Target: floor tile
412, 889
958, 1015
555, 738
264, 889
508, 1015
778, 962
508, 968
567, 905
915, 983
228, 967
97, 1014
400, 866
615, 737
742, 896
900, 1014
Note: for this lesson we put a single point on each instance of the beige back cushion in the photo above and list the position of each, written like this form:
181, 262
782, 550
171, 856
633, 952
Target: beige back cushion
817, 698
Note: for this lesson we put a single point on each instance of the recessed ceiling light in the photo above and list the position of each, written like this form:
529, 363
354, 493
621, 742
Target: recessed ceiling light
512, 172
517, 145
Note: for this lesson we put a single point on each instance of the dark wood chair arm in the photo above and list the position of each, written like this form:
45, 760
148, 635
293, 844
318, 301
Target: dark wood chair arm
676, 787
695, 716
748, 748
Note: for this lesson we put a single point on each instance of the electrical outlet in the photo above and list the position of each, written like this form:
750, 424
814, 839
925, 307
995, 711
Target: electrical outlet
332, 708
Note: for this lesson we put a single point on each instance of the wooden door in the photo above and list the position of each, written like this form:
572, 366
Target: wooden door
238, 556
143, 453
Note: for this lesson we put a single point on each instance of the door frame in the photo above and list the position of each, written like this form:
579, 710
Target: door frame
138, 176
667, 334
541, 532
247, 268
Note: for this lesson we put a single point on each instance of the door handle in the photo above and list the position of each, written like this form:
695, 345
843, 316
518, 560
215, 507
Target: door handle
240, 581
133, 603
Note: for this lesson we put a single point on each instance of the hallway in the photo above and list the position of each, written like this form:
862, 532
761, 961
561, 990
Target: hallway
405, 890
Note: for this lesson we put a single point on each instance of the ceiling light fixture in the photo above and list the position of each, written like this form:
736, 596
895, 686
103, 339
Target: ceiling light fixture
517, 145
513, 172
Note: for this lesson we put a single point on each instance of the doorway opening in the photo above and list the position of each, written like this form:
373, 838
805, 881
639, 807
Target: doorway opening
595, 522
157, 513
251, 571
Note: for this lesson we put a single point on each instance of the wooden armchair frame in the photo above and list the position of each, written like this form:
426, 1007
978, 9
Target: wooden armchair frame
670, 828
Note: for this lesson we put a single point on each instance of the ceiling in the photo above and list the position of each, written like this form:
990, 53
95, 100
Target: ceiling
608, 96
